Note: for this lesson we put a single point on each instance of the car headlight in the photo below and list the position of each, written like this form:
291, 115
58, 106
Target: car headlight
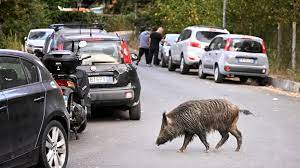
29, 45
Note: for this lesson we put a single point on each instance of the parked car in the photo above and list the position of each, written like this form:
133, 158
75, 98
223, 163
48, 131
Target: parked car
34, 123
164, 49
235, 56
189, 48
113, 80
36, 39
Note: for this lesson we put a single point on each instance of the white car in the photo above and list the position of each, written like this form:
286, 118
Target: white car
36, 39
233, 55
189, 48
164, 48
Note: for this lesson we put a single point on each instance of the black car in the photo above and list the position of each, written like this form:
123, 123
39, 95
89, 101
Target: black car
113, 80
34, 123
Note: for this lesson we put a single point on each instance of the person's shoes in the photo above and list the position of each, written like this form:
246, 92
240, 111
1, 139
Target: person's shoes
149, 65
137, 63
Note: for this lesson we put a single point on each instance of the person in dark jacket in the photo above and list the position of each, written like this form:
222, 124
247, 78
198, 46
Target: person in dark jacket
155, 38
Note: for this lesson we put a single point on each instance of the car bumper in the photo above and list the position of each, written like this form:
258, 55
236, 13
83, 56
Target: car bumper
32, 50
112, 96
249, 71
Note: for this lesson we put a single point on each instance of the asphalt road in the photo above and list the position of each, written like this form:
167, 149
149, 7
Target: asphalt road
270, 138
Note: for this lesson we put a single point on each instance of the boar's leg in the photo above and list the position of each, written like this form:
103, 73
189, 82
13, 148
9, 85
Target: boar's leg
187, 139
238, 135
202, 137
225, 136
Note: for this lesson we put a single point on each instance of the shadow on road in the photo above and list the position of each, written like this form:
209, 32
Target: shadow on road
108, 114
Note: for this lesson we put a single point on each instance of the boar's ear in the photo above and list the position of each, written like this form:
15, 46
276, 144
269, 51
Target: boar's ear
165, 118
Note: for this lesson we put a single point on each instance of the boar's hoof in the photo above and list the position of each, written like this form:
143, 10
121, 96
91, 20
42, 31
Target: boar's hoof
181, 151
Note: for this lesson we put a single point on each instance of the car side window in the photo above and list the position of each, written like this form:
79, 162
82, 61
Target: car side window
212, 45
218, 44
187, 34
180, 36
31, 71
11, 73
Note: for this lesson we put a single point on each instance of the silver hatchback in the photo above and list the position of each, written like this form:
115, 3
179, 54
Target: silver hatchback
232, 55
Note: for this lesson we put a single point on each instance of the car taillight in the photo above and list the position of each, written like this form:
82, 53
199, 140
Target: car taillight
227, 68
125, 52
66, 83
194, 44
227, 45
264, 50
59, 88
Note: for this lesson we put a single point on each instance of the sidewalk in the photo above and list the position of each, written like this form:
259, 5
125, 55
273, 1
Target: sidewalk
284, 84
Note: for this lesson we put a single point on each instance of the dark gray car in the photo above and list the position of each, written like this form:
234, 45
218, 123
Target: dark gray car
34, 123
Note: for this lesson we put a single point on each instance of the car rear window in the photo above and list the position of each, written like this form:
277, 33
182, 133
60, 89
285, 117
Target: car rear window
206, 36
100, 52
246, 45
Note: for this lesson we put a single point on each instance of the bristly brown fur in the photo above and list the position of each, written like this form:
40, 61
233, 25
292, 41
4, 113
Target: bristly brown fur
197, 117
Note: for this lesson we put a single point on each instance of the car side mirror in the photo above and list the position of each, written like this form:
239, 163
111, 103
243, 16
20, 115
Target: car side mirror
206, 48
133, 56
25, 38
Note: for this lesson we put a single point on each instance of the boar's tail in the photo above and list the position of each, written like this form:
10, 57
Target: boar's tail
246, 112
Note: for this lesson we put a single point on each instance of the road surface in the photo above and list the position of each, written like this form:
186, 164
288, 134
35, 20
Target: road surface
270, 137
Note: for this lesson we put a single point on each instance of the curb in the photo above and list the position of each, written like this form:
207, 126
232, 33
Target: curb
284, 84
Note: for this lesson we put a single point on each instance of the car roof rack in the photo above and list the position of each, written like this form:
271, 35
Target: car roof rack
206, 26
79, 26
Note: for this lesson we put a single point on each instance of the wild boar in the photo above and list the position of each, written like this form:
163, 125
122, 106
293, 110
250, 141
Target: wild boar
198, 117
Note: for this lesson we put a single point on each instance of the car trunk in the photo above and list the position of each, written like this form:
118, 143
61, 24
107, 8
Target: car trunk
106, 75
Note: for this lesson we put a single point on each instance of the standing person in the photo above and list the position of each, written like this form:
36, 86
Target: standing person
144, 45
155, 38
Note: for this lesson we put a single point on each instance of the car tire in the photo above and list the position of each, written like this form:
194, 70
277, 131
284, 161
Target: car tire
89, 112
262, 81
200, 71
163, 61
135, 112
82, 127
218, 77
58, 146
243, 79
171, 66
184, 68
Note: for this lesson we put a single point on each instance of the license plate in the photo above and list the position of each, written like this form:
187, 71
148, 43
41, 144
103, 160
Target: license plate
101, 80
246, 60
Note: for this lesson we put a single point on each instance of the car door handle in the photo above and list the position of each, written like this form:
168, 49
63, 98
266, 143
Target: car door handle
3, 109
40, 99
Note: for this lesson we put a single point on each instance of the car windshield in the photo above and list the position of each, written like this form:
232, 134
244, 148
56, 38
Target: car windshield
206, 36
100, 52
38, 35
171, 39
246, 45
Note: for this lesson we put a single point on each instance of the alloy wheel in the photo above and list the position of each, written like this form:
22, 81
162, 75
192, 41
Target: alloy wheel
55, 148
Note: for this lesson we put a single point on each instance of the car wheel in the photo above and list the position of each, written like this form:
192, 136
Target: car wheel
217, 76
243, 79
171, 66
200, 72
135, 112
82, 126
163, 61
184, 69
262, 81
54, 149
89, 112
